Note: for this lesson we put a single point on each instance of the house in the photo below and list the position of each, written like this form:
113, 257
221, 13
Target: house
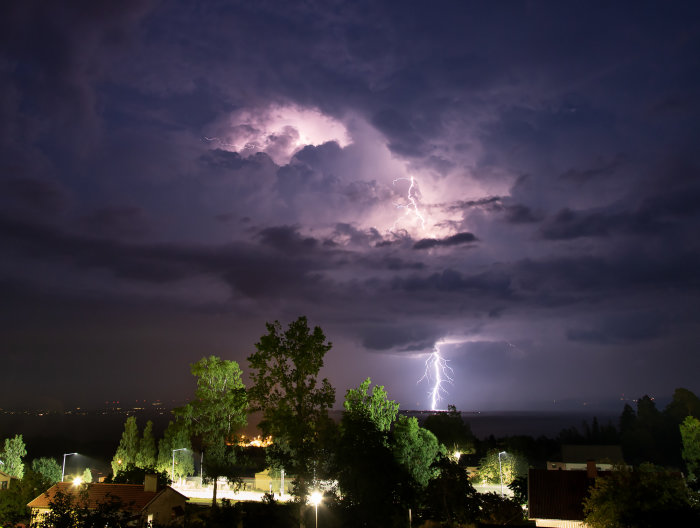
5, 480
577, 457
555, 498
144, 503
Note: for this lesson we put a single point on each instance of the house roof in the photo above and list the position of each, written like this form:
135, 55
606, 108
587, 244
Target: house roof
599, 453
557, 494
132, 496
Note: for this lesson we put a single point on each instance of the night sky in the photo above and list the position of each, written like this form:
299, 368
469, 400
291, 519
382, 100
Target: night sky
518, 181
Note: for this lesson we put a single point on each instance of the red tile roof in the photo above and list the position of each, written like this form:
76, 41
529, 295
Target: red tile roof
132, 496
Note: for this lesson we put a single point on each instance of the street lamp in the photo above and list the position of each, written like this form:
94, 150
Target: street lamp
316, 499
172, 474
500, 472
63, 471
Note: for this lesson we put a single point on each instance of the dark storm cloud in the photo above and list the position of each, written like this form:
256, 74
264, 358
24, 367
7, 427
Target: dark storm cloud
631, 271
248, 269
605, 170
490, 202
492, 283
40, 196
224, 160
564, 135
405, 139
399, 337
622, 330
287, 240
675, 201
117, 221
454, 240
520, 214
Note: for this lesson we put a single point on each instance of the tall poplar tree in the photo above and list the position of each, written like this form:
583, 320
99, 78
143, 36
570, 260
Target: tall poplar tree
12, 454
146, 455
128, 448
175, 451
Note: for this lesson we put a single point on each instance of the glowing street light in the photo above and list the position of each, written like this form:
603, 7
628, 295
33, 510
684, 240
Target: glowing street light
63, 471
77, 481
316, 499
172, 474
500, 472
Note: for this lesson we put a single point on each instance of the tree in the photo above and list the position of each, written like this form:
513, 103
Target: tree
12, 455
450, 497
13, 501
175, 437
67, 510
220, 461
294, 404
372, 483
451, 430
218, 410
87, 476
146, 455
511, 466
375, 407
519, 489
128, 448
498, 510
48, 468
684, 403
416, 448
690, 436
132, 474
646, 498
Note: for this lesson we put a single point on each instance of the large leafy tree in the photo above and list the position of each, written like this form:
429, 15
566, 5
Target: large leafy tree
495, 509
128, 449
175, 449
13, 501
646, 498
146, 455
416, 449
684, 403
512, 465
371, 481
218, 411
293, 401
450, 497
12, 454
48, 468
374, 406
451, 430
690, 436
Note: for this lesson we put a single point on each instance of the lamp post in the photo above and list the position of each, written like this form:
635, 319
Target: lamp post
316, 499
172, 474
500, 472
63, 471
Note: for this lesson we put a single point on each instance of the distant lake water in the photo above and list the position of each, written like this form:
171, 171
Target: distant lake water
97, 434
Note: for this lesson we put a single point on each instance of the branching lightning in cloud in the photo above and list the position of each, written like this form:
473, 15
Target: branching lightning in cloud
411, 206
439, 373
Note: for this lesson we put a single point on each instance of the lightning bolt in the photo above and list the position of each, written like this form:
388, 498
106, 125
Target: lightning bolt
221, 142
437, 372
411, 206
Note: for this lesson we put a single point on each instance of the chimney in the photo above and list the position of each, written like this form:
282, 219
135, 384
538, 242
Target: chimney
150, 483
591, 469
